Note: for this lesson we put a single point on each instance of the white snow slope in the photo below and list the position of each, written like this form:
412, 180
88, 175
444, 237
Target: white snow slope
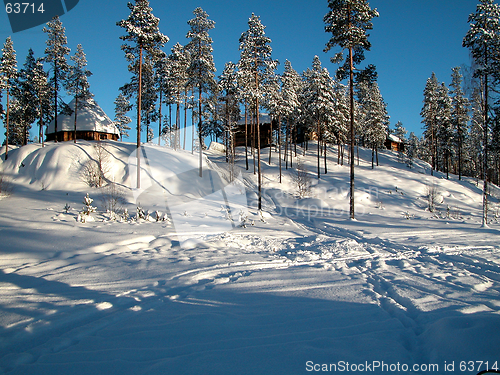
302, 290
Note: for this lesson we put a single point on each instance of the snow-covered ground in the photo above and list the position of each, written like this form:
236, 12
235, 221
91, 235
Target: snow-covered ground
299, 289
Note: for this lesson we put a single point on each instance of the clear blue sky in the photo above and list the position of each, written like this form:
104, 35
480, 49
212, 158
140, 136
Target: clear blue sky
410, 40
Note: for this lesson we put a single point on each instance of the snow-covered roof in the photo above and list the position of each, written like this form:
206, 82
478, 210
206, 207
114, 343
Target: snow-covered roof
89, 118
393, 138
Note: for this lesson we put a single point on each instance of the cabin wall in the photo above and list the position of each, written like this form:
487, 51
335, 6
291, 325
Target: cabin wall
83, 135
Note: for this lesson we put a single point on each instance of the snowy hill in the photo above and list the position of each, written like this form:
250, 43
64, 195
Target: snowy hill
219, 288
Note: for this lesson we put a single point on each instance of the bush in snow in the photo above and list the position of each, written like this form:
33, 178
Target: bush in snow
433, 196
302, 179
5, 186
140, 213
94, 170
85, 215
113, 199
408, 216
90, 173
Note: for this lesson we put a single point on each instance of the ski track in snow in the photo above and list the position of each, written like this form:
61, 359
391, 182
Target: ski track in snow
263, 299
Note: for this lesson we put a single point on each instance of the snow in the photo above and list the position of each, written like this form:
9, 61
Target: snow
394, 138
303, 288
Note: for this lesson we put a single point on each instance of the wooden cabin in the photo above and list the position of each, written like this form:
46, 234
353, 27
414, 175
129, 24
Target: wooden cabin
266, 138
394, 143
92, 124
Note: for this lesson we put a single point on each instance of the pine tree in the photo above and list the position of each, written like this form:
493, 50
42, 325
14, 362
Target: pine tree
459, 115
202, 68
429, 113
78, 84
8, 74
341, 119
291, 106
228, 84
179, 61
483, 40
400, 131
162, 83
55, 54
318, 98
475, 140
43, 98
272, 103
25, 93
412, 149
122, 107
374, 116
15, 134
348, 22
444, 127
256, 70
149, 95
143, 37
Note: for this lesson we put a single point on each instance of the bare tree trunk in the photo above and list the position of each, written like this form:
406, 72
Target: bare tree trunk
485, 153
139, 104
185, 119
279, 144
7, 128
159, 118
258, 156
76, 112
271, 138
253, 143
319, 147
324, 144
41, 124
200, 135
351, 90
286, 143
246, 136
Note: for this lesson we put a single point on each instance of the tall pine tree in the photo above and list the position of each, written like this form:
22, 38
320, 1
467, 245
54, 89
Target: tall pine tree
43, 95
143, 36
348, 21
429, 113
78, 84
26, 95
318, 98
202, 68
122, 107
483, 40
8, 75
55, 55
459, 115
256, 70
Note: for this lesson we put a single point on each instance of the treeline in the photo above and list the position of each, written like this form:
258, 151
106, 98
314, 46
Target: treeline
462, 134
167, 88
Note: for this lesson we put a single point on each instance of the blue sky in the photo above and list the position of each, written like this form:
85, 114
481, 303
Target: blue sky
410, 40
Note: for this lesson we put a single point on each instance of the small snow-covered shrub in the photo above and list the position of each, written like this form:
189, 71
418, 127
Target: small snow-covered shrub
125, 215
113, 199
85, 215
67, 207
408, 216
243, 219
95, 169
140, 213
90, 173
302, 179
434, 198
5, 186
